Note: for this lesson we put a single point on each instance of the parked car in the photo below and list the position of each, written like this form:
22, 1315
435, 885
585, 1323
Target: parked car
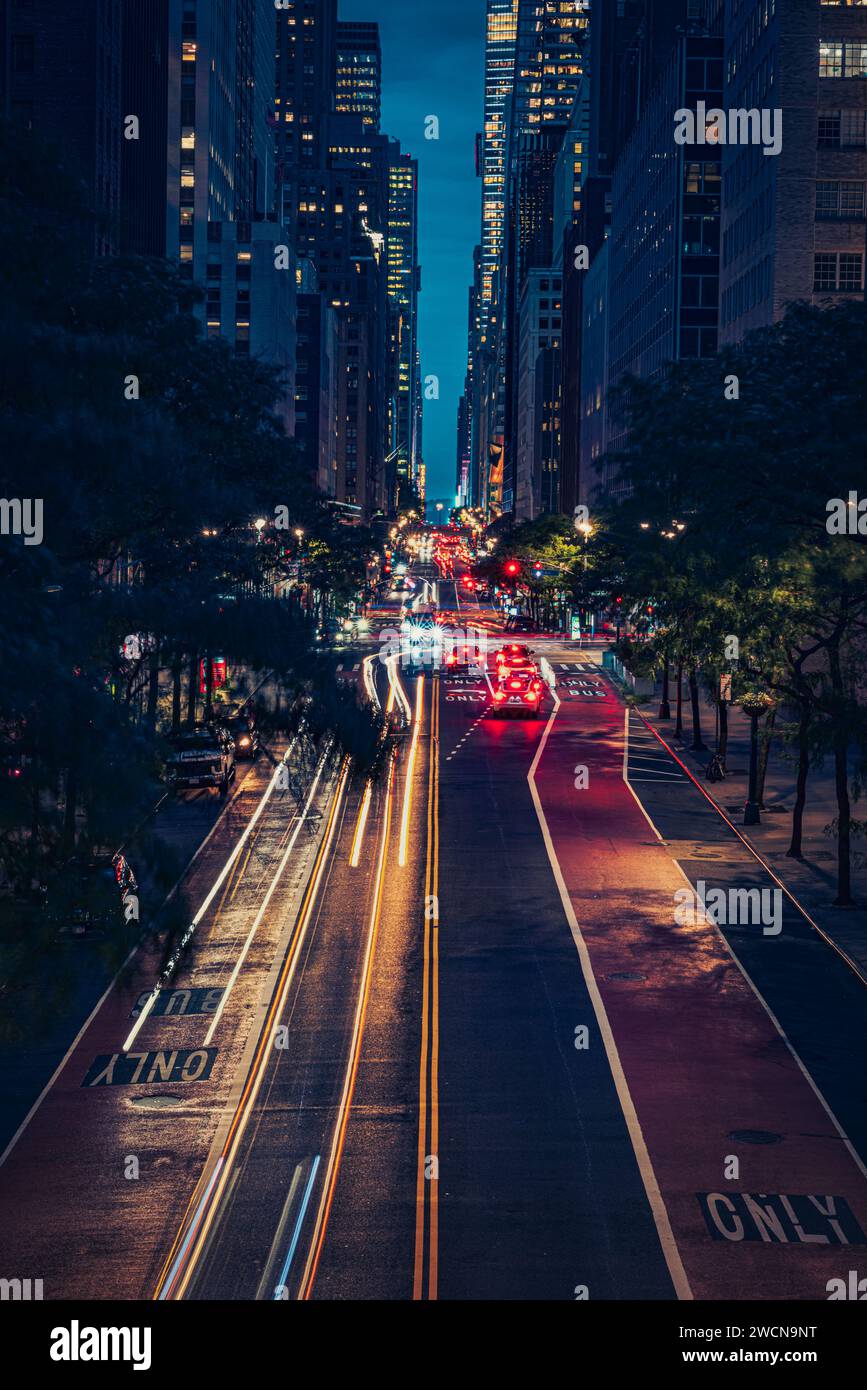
202, 757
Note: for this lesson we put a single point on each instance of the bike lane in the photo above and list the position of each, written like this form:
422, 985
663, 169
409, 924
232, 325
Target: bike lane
759, 1184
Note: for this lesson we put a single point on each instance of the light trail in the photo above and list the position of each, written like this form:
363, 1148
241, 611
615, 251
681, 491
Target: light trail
284, 1273
188, 1245
345, 1105
217, 885
236, 970
410, 769
359, 828
427, 1184
369, 680
397, 688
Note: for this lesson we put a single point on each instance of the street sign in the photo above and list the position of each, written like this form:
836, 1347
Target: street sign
218, 673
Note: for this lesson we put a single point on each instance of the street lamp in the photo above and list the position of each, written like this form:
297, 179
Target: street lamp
755, 703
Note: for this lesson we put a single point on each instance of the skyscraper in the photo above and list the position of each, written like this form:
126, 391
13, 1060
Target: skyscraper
548, 61
306, 34
220, 220
793, 221
358, 85
61, 75
549, 47
220, 142
501, 27
349, 221
402, 252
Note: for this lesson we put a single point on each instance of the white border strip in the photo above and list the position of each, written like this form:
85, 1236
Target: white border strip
645, 1167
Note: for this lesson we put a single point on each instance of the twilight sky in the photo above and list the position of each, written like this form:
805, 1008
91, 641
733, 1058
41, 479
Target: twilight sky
433, 64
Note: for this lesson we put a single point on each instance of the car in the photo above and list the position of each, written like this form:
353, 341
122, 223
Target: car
421, 640
462, 656
201, 757
519, 693
243, 727
92, 895
514, 657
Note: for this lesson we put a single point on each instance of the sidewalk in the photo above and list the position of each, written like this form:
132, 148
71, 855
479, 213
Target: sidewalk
812, 880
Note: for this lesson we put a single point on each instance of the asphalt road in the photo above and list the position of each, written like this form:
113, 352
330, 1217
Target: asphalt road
449, 1037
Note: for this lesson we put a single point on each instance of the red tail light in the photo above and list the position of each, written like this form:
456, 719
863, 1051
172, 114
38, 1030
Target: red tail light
498, 695
531, 699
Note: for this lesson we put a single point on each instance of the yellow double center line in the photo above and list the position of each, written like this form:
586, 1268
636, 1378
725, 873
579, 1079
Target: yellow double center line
427, 1177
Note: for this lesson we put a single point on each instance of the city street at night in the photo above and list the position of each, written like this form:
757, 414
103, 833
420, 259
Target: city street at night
433, 656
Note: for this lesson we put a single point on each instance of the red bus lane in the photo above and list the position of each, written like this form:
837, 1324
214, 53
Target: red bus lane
707, 1070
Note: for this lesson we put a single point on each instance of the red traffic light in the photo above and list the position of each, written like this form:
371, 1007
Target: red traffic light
512, 567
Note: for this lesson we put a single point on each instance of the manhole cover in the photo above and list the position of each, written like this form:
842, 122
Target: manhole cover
755, 1136
627, 975
156, 1102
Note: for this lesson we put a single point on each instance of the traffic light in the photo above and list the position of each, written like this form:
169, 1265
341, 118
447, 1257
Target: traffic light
618, 601
512, 567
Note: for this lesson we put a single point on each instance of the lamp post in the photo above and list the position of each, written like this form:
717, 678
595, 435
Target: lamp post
664, 706
585, 528
755, 704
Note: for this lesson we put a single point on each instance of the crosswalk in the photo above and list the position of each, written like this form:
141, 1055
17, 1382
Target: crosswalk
648, 760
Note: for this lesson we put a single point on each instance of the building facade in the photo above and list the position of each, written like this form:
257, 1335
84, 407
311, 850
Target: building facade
793, 222
663, 269
62, 75
358, 75
540, 319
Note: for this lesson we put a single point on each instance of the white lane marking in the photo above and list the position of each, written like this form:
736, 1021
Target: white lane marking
764, 1003
230, 1110
632, 792
355, 1042
659, 779
667, 1241
236, 969
220, 880
108, 989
